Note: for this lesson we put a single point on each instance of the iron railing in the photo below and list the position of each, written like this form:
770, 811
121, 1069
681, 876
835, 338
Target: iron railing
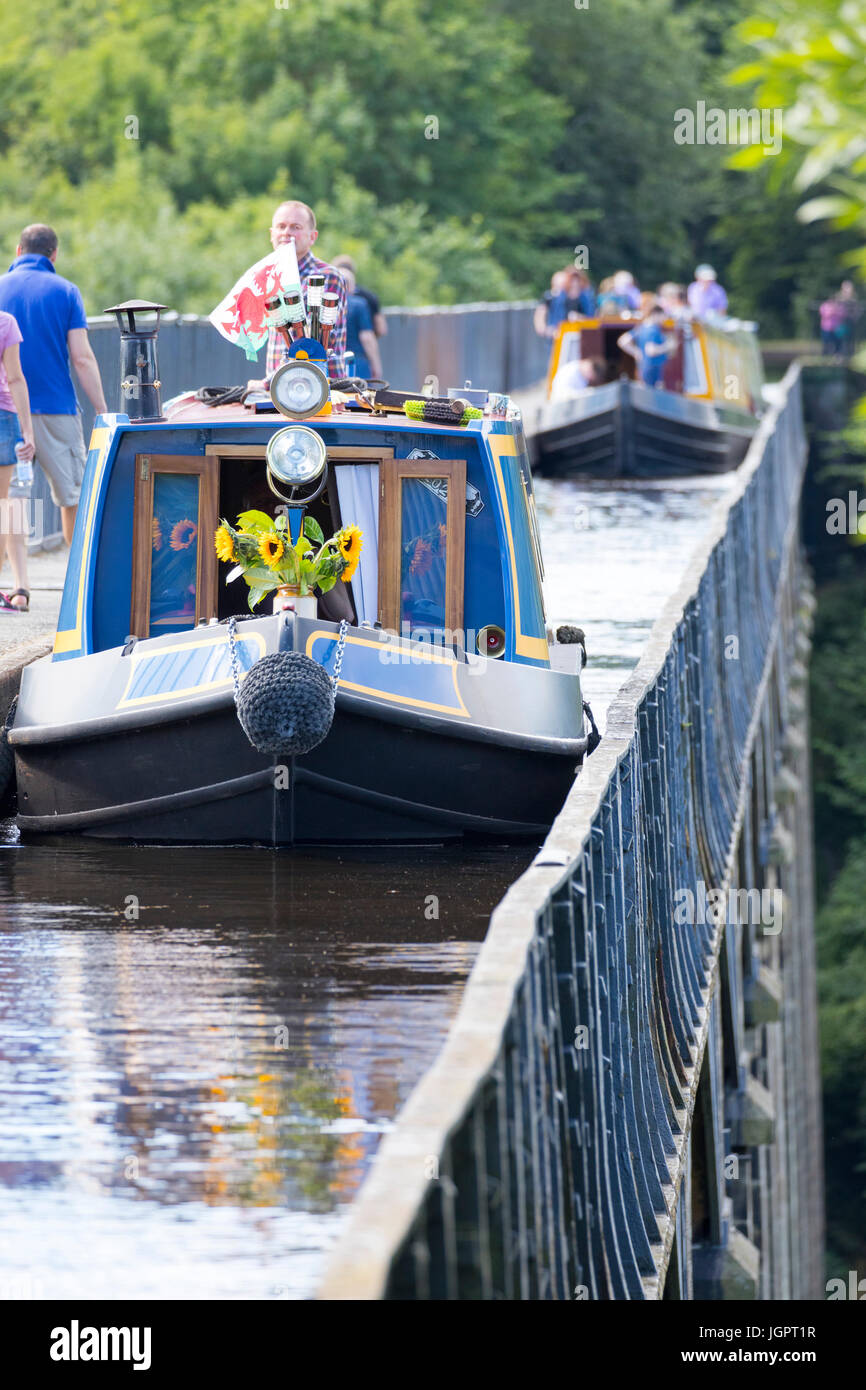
626, 1106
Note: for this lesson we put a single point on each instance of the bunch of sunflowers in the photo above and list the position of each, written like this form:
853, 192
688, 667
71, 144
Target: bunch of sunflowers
262, 550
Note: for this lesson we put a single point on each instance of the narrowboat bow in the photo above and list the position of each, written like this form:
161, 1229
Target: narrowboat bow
455, 712
701, 420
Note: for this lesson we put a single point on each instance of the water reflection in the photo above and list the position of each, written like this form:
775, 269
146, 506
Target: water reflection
201, 1048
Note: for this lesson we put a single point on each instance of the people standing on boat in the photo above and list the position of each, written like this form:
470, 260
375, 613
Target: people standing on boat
16, 445
380, 323
608, 303
618, 294
545, 319
650, 346
624, 284
706, 296
576, 298
576, 376
672, 298
360, 334
294, 221
50, 314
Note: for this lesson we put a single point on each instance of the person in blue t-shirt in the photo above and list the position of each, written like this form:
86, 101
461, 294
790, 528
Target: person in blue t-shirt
650, 345
545, 320
360, 335
50, 313
575, 300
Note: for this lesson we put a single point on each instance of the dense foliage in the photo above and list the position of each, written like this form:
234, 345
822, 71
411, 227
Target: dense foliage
839, 718
460, 151
808, 59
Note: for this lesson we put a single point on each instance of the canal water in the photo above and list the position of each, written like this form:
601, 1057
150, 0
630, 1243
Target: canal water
201, 1049
613, 555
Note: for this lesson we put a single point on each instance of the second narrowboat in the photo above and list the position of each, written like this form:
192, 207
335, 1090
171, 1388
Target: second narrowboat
700, 419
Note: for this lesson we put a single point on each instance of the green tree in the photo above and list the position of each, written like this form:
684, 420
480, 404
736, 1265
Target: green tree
159, 140
808, 61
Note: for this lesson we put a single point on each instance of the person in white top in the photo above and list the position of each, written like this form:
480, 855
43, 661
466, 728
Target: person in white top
577, 376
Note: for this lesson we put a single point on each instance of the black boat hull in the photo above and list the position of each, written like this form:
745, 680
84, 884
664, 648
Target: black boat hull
368, 782
626, 430
185, 771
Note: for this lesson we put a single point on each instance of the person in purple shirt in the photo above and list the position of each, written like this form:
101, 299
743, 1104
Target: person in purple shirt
50, 313
706, 295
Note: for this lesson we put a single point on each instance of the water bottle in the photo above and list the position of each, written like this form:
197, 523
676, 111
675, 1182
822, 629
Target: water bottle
23, 467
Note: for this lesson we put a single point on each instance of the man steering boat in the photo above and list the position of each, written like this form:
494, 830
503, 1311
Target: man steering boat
294, 221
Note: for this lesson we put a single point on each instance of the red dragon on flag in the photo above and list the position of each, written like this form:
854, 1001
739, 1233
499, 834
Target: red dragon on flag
241, 316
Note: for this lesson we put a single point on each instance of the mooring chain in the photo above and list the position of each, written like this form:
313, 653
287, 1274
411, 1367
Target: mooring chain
235, 665
233, 657
341, 647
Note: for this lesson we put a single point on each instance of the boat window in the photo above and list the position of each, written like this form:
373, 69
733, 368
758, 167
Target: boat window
358, 497
422, 526
351, 496
174, 566
532, 515
243, 487
694, 376
569, 350
356, 469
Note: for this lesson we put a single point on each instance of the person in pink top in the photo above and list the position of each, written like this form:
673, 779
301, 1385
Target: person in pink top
16, 427
832, 313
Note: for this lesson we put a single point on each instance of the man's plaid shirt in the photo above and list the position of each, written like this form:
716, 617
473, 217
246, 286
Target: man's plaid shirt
278, 353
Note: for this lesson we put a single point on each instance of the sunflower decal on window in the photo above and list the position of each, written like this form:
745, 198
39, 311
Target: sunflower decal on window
183, 534
422, 557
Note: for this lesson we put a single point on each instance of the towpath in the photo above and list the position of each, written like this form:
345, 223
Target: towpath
26, 636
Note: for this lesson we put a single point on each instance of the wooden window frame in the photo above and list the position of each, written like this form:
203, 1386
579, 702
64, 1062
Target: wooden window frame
391, 476
349, 453
383, 454
206, 469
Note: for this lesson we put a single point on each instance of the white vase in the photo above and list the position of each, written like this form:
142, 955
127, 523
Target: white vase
305, 605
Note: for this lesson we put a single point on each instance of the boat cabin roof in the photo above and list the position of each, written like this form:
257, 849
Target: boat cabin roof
199, 412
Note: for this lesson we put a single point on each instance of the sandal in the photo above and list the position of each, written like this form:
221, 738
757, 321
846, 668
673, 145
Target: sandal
7, 607
20, 593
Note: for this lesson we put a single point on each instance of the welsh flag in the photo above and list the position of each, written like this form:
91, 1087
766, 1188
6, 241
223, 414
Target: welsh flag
241, 316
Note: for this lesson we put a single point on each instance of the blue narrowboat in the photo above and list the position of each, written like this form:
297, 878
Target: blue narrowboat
454, 710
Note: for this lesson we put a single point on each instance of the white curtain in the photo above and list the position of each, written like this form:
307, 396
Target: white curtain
358, 493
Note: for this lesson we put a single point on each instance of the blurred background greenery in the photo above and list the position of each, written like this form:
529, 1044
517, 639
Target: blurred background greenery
809, 60
555, 129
